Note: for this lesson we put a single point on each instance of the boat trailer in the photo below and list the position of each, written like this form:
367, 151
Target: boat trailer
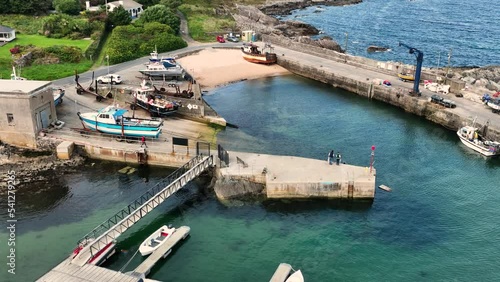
90, 90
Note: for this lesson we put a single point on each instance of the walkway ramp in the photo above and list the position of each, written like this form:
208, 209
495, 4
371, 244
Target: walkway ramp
109, 230
145, 267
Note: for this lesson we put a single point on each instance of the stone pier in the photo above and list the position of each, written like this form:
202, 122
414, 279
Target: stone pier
292, 177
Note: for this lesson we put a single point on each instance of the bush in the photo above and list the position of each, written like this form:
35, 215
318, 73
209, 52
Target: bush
131, 42
14, 50
160, 14
70, 7
66, 54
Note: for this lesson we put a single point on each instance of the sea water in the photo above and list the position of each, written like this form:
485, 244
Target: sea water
439, 223
470, 29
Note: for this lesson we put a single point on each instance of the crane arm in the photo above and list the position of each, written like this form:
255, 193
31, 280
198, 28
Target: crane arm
420, 58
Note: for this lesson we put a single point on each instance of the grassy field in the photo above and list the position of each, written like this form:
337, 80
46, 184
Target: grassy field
42, 72
204, 24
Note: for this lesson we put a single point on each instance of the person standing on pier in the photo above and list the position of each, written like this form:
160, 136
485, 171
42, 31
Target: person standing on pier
338, 158
331, 155
143, 142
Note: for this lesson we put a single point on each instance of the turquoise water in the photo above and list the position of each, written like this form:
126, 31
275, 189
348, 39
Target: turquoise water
470, 28
440, 223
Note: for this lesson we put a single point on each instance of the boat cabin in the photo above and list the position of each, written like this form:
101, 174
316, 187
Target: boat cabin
251, 48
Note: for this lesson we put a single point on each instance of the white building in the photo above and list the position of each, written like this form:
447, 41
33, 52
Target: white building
7, 34
132, 7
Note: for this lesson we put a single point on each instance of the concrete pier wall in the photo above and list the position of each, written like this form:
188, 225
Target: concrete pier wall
131, 156
281, 177
394, 96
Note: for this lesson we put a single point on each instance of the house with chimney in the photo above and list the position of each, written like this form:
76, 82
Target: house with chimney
132, 7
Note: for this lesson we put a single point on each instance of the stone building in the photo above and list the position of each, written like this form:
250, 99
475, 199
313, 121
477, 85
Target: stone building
26, 107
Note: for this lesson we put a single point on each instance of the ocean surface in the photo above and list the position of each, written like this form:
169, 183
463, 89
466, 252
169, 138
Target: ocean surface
440, 223
471, 29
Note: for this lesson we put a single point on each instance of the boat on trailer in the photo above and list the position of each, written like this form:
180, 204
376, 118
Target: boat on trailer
111, 120
146, 97
155, 240
251, 53
470, 138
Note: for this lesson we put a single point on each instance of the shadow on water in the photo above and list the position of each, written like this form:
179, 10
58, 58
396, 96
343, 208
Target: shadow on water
305, 205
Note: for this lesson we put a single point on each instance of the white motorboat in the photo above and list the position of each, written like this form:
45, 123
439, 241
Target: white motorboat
155, 240
295, 277
470, 138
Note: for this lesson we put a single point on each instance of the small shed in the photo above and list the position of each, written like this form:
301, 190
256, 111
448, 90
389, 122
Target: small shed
7, 34
26, 107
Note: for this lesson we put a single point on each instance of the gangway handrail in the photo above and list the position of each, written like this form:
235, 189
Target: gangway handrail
113, 220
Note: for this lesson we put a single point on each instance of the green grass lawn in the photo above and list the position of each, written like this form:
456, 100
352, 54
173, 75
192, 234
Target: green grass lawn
42, 72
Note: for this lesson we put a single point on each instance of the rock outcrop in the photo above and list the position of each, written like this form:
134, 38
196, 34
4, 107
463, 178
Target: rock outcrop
286, 7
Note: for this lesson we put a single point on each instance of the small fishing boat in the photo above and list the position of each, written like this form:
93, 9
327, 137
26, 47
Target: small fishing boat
58, 95
406, 77
295, 277
102, 255
155, 240
251, 53
146, 98
170, 61
111, 120
470, 138
163, 69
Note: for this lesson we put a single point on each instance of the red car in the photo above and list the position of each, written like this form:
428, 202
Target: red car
220, 39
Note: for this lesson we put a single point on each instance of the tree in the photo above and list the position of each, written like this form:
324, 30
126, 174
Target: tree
27, 7
119, 16
172, 4
161, 14
70, 7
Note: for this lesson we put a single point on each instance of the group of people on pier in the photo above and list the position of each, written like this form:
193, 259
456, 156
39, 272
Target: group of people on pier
332, 157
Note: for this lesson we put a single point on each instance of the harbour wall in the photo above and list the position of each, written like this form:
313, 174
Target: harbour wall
394, 96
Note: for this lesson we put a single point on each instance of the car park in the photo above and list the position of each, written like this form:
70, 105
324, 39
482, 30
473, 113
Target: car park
110, 78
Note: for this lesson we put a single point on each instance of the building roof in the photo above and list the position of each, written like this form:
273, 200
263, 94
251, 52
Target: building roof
127, 4
5, 29
21, 86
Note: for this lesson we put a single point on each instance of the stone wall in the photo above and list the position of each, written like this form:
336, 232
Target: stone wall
394, 96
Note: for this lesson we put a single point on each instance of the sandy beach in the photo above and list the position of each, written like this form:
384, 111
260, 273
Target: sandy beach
216, 67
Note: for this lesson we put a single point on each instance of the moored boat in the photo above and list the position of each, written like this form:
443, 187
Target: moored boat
251, 53
470, 138
155, 240
146, 98
111, 120
103, 254
295, 277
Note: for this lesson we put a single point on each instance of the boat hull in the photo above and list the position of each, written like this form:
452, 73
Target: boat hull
158, 238
156, 111
266, 59
116, 129
476, 147
406, 77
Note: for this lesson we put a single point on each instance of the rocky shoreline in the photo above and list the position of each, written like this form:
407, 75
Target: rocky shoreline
286, 7
34, 166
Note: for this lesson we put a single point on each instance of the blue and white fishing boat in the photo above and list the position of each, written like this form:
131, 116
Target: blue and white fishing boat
168, 62
111, 120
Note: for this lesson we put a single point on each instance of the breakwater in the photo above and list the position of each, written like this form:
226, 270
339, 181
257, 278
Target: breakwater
396, 96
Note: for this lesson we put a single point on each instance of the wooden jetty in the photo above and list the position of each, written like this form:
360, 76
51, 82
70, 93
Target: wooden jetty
66, 271
163, 251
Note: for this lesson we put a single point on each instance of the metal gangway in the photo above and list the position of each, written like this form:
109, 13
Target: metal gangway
113, 227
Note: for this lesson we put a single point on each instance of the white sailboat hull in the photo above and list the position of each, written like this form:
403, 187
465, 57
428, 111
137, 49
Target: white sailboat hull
155, 240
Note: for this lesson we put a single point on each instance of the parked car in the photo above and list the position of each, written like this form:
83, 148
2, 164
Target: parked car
220, 39
110, 78
441, 101
232, 39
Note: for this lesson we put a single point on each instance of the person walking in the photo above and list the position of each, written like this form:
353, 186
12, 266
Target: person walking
331, 155
143, 142
338, 158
